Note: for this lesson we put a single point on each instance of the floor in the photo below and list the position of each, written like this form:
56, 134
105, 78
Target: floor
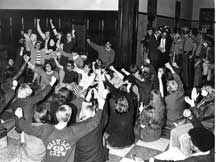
140, 149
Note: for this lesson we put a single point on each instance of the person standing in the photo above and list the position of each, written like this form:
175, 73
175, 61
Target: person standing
105, 53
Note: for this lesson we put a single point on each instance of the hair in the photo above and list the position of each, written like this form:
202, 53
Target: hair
172, 86
122, 105
156, 110
24, 91
202, 138
50, 63
67, 94
71, 62
42, 113
64, 113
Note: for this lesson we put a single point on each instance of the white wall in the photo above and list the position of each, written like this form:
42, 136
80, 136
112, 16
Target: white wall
143, 6
60, 4
197, 4
166, 7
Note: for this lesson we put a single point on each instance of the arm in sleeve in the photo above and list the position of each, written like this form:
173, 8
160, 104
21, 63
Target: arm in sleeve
94, 46
111, 59
38, 131
41, 95
81, 129
114, 91
40, 31
6, 100
20, 72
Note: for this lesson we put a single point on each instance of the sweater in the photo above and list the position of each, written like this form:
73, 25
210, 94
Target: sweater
120, 125
60, 144
107, 57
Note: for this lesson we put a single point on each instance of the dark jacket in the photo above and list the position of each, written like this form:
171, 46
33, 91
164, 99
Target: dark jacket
120, 125
90, 148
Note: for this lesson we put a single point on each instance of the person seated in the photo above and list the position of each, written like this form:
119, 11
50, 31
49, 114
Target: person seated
26, 100
90, 148
152, 119
46, 73
11, 70
174, 100
202, 110
63, 97
122, 111
201, 143
59, 140
33, 148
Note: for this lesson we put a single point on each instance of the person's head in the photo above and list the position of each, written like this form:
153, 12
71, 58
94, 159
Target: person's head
164, 34
47, 34
48, 66
38, 45
69, 37
24, 91
87, 67
185, 31
70, 65
122, 105
207, 90
63, 114
87, 111
59, 35
29, 32
65, 95
172, 86
158, 32
33, 37
150, 31
201, 139
10, 62
99, 62
108, 45
41, 114
145, 71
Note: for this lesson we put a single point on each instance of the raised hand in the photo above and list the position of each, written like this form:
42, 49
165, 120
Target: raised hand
53, 80
189, 101
187, 113
88, 40
160, 72
194, 94
26, 58
168, 66
19, 112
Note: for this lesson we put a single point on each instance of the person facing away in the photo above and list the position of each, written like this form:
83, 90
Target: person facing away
90, 148
105, 53
59, 139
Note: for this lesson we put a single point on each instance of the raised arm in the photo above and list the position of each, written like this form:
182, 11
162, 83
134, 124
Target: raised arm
38, 131
53, 27
39, 29
175, 76
69, 55
81, 129
93, 45
20, 72
43, 93
161, 88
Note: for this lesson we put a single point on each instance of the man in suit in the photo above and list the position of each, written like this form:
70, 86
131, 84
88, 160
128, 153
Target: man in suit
153, 49
164, 48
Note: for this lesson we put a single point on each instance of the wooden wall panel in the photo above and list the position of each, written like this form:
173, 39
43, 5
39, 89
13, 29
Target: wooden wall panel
96, 25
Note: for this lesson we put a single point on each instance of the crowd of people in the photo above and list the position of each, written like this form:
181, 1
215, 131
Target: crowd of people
68, 109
